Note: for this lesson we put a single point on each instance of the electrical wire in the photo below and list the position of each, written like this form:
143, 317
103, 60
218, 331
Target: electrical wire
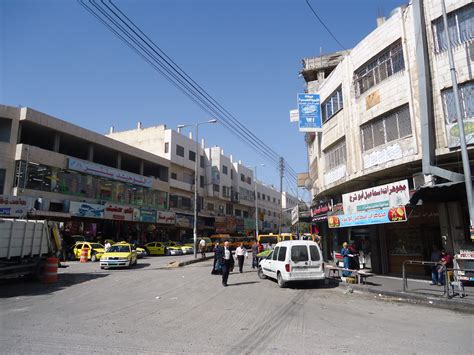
324, 25
156, 57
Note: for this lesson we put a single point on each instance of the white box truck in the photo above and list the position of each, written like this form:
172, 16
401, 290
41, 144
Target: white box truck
24, 246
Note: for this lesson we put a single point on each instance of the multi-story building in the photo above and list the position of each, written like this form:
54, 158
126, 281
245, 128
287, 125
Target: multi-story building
97, 185
226, 189
389, 126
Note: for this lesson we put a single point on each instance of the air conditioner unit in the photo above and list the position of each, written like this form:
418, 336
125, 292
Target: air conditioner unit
421, 179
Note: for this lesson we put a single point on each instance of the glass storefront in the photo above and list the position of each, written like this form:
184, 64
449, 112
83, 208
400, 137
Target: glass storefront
50, 179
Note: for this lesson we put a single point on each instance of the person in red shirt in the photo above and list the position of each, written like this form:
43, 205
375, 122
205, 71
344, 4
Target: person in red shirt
445, 262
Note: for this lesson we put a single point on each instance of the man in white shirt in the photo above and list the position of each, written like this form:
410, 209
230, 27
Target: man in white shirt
107, 245
241, 253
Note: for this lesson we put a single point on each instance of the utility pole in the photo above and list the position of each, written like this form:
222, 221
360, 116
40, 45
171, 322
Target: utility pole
282, 171
460, 119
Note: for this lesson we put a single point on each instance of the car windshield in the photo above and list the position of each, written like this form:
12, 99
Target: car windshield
119, 249
97, 246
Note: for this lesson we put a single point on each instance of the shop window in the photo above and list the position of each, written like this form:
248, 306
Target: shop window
335, 156
460, 28
179, 150
332, 105
5, 129
466, 98
387, 128
380, 67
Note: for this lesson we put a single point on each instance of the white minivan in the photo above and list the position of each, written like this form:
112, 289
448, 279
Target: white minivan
293, 260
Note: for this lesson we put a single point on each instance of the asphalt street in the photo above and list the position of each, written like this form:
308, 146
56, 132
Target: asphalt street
151, 309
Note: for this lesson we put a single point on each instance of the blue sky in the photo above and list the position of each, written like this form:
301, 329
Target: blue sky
56, 58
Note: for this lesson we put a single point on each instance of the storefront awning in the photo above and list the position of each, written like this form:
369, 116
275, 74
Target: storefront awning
450, 191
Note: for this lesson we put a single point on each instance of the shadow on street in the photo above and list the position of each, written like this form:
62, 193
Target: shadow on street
19, 287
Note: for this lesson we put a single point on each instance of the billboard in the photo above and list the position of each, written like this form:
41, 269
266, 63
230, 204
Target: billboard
375, 198
88, 210
118, 212
309, 111
165, 217
389, 215
14, 206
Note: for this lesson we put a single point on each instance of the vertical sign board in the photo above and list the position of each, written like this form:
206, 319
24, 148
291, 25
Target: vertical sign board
309, 110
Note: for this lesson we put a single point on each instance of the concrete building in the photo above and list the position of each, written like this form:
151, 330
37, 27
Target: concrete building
388, 118
97, 185
226, 187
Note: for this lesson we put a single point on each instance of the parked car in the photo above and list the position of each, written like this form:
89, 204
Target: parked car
155, 248
293, 260
95, 250
186, 249
141, 252
119, 255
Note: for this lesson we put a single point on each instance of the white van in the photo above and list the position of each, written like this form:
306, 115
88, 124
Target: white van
293, 260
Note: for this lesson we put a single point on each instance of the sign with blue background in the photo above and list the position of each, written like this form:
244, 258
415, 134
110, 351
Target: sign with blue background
309, 109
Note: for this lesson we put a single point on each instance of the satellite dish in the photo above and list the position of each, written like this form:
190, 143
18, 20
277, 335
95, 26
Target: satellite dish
308, 184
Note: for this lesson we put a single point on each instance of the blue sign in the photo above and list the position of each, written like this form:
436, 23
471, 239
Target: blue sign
309, 110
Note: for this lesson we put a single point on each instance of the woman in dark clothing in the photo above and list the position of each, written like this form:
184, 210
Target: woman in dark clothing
218, 252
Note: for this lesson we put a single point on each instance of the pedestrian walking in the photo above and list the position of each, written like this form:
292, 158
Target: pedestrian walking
241, 254
202, 248
107, 245
227, 263
218, 253
254, 255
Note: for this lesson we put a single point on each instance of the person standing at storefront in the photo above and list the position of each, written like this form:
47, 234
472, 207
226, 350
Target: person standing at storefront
227, 263
346, 258
241, 253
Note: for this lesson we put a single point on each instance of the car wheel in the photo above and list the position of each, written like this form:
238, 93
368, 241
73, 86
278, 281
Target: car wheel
102, 267
260, 273
93, 257
280, 281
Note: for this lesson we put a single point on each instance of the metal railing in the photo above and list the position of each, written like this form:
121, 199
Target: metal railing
447, 281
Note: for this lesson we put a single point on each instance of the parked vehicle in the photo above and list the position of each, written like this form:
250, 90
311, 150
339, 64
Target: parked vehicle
141, 252
24, 246
119, 255
95, 250
186, 249
155, 248
285, 236
295, 260
267, 239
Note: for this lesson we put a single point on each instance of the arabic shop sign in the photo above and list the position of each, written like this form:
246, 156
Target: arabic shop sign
389, 215
144, 214
84, 209
165, 217
375, 198
184, 221
220, 224
14, 206
118, 212
319, 212
90, 168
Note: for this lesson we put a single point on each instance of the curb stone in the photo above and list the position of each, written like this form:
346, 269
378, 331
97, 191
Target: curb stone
451, 304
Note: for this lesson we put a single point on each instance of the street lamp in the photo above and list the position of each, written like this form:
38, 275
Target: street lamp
256, 204
198, 155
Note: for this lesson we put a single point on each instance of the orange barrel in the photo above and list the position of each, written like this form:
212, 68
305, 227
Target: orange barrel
84, 255
50, 274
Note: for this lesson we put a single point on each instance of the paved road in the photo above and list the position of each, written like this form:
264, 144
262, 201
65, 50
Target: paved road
186, 310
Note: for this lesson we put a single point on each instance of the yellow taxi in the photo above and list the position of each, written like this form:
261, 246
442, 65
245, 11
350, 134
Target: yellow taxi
119, 255
155, 248
140, 251
95, 250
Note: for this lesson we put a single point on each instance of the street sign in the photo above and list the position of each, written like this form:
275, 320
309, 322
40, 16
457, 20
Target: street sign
294, 116
309, 110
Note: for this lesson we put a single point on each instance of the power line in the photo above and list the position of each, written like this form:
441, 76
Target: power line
324, 25
116, 20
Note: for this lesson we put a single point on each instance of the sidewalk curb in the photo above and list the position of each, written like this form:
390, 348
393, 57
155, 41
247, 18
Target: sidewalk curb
188, 262
451, 304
